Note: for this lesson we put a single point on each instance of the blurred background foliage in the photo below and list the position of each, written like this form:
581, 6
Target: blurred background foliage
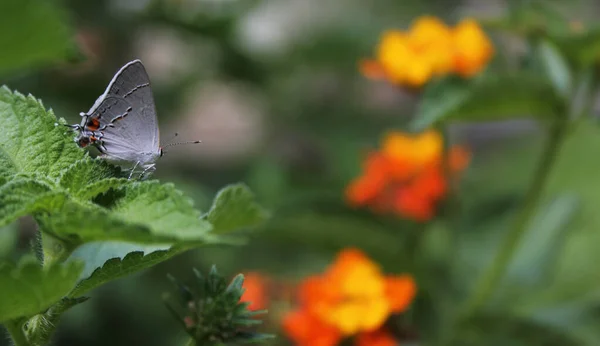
273, 89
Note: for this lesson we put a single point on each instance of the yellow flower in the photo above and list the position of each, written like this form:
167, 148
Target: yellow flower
400, 62
429, 49
432, 39
472, 48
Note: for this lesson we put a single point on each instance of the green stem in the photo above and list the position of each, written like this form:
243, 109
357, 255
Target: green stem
497, 269
16, 333
54, 250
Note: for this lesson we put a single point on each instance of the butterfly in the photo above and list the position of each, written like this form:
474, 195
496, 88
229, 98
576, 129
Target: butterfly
122, 123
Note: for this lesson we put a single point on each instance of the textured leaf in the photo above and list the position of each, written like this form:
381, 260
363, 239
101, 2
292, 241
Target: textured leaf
30, 141
6, 166
163, 209
39, 328
486, 99
116, 267
82, 223
42, 38
28, 289
20, 197
89, 177
234, 208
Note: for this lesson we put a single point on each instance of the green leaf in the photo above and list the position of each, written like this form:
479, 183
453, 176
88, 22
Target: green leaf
556, 67
234, 208
582, 48
29, 141
8, 240
568, 298
492, 97
28, 289
20, 197
36, 34
6, 166
538, 252
163, 209
575, 278
88, 178
39, 328
116, 267
85, 223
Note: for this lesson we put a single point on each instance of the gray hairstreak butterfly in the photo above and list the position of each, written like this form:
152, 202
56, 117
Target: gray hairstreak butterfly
122, 123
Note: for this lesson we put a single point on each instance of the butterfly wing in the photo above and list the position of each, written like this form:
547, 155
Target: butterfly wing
125, 115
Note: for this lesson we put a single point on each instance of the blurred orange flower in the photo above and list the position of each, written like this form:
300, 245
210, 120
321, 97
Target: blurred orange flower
428, 49
379, 337
407, 176
255, 285
351, 296
307, 330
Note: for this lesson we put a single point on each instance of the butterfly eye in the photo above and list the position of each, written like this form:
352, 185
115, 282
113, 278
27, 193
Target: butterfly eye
83, 142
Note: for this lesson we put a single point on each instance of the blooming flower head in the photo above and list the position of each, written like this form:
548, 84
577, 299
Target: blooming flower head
428, 49
407, 176
351, 296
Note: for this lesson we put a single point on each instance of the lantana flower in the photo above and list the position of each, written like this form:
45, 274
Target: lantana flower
351, 297
407, 176
255, 291
428, 49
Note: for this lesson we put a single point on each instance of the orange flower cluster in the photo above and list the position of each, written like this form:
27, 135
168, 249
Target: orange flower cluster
351, 298
255, 286
429, 49
407, 176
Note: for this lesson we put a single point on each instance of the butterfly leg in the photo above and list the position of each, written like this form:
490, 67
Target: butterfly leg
148, 170
133, 170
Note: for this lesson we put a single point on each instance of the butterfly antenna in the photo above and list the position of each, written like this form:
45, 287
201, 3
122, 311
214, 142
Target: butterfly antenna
177, 143
181, 143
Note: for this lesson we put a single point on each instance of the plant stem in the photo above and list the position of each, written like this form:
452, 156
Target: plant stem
54, 249
497, 269
16, 333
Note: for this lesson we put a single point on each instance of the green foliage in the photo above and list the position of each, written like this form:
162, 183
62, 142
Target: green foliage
557, 69
537, 257
211, 312
77, 177
30, 142
583, 49
38, 34
77, 200
491, 97
115, 268
28, 288
234, 208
